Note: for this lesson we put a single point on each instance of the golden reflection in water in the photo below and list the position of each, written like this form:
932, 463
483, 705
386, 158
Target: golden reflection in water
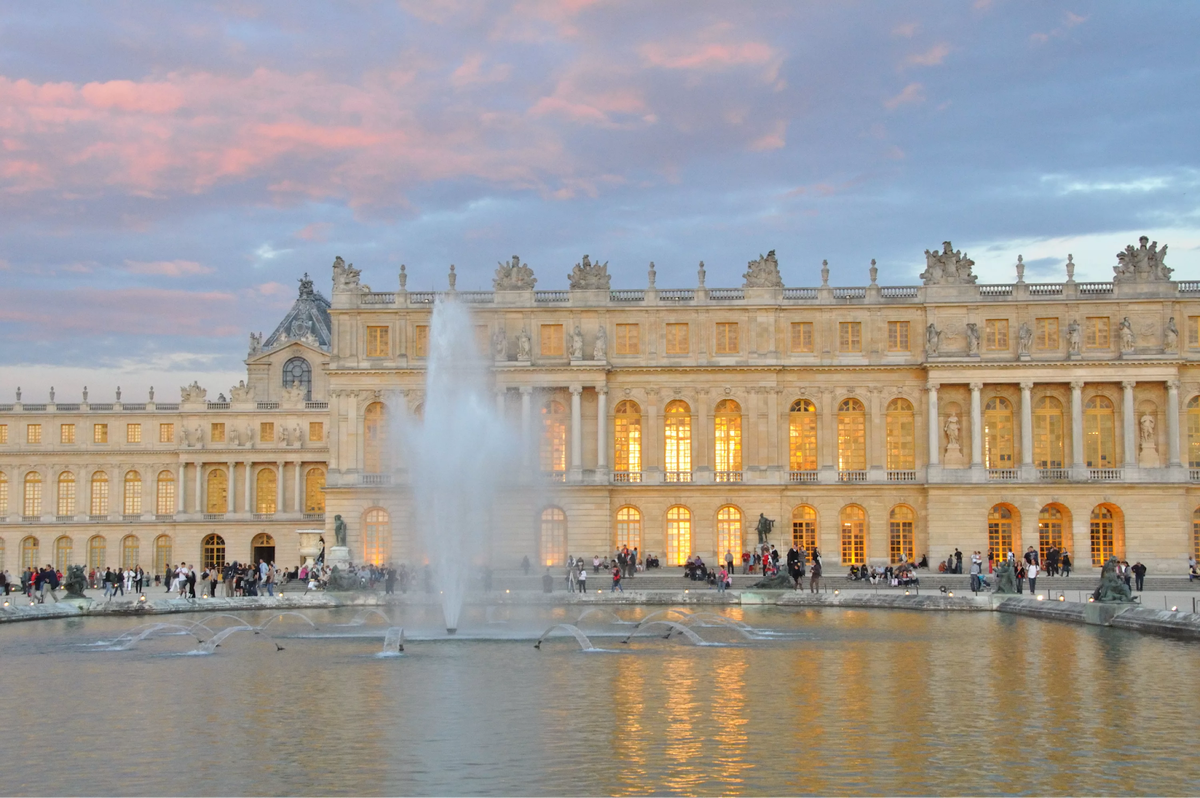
682, 747
628, 736
732, 758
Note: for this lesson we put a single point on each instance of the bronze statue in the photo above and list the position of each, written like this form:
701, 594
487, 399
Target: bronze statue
339, 531
1112, 587
75, 581
765, 525
1006, 577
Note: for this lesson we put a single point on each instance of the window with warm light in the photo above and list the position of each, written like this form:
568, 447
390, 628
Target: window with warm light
129, 552
1107, 534
316, 431
99, 506
33, 495
314, 491
218, 491
996, 335
378, 342
629, 529
266, 431
66, 433
802, 337
898, 340
677, 440
98, 552
854, 535
729, 532
628, 339
554, 438
852, 436
1050, 530
133, 493
99, 433
162, 554
1045, 335
1099, 438
33, 433
66, 493
998, 433
849, 336
62, 553
3, 494
1193, 432
1000, 531
678, 342
1048, 433
802, 436
552, 340
164, 493
900, 533
727, 338
264, 491
133, 433
804, 530
376, 455
901, 436
1096, 332
166, 433
627, 430
421, 340
727, 439
30, 556
212, 551
1196, 534
216, 432
679, 535
553, 537
3, 433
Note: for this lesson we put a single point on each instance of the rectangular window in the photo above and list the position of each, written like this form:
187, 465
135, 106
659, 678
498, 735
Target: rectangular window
3, 433
552, 340
99, 433
1193, 332
849, 336
727, 338
166, 433
1097, 333
898, 336
377, 342
997, 335
421, 341
628, 339
1046, 336
677, 339
316, 430
33, 433
266, 431
802, 336
217, 432
66, 433
133, 433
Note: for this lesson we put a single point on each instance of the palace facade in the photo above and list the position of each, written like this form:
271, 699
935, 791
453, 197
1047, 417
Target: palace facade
874, 422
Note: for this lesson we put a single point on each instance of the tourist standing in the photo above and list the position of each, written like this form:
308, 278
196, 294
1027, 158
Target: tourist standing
582, 578
957, 561
815, 580
1031, 571
616, 580
1139, 574
547, 582
1066, 563
721, 574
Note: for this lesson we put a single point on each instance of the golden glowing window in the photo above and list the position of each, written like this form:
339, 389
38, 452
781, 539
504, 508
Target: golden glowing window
216, 432
99, 494
854, 535
552, 340
849, 336
553, 538
802, 336
129, 552
627, 430
727, 439
629, 528
33, 494
679, 535
900, 533
264, 490
1000, 531
1099, 438
898, 340
314, 491
852, 436
554, 438
804, 530
218, 491
97, 552
727, 338
998, 433
62, 554
1193, 432
3, 494
3, 433
66, 433
133, 493
1107, 533
33, 433
377, 342
162, 554
1193, 331
1045, 336
802, 436
66, 493
1096, 332
212, 551
99, 433
729, 532
1050, 530
1196, 534
164, 493
166, 433
1048, 433
316, 431
30, 557
996, 338
677, 439
901, 436
266, 431
628, 339
421, 340
376, 459
677, 339
133, 433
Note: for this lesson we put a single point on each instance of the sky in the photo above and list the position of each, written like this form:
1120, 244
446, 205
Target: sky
169, 170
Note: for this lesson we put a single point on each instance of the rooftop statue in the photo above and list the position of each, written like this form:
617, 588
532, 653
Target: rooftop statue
1146, 264
948, 267
590, 276
306, 287
242, 392
255, 344
515, 276
192, 393
763, 273
346, 278
294, 393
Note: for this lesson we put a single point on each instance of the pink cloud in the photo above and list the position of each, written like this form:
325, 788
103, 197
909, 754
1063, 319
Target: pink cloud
931, 57
471, 72
168, 268
132, 311
317, 231
772, 140
906, 30
707, 56
912, 93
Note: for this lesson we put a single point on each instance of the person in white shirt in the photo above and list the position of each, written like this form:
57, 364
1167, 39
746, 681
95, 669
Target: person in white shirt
1031, 572
583, 580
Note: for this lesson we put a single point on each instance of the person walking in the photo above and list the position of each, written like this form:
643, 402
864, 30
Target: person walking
721, 574
1066, 563
1031, 572
616, 580
815, 580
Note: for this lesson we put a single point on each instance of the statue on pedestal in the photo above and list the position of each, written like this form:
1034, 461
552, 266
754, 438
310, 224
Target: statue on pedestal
75, 581
1112, 587
765, 525
600, 350
1006, 577
339, 531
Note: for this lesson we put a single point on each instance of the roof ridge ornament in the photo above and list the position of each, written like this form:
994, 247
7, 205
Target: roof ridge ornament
763, 273
588, 276
515, 276
948, 267
1144, 264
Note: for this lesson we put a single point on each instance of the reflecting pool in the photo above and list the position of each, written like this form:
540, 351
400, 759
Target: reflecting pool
824, 701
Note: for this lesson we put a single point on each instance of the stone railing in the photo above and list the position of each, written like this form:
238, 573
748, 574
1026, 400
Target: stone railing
627, 476
803, 477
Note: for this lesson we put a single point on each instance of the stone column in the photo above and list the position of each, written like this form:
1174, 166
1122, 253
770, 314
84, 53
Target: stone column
935, 430
181, 498
827, 436
200, 505
702, 434
976, 426
601, 427
1077, 462
279, 508
652, 436
576, 430
353, 434
1027, 424
876, 450
247, 480
500, 396
231, 498
298, 484
1173, 459
527, 423
1128, 423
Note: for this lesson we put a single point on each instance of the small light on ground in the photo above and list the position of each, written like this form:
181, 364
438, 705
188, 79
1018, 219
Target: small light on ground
837, 592
1041, 597
907, 592
1061, 597
1174, 608
950, 594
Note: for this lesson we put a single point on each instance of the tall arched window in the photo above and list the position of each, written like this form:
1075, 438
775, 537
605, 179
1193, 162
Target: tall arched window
133, 493
554, 438
627, 446
66, 493
33, 495
727, 440
852, 436
314, 491
162, 554
804, 529
1196, 534
99, 493
1193, 432
900, 533
729, 532
376, 458
212, 551
1048, 433
677, 441
802, 436
629, 528
265, 486
3, 494
1108, 533
62, 554
164, 493
552, 538
854, 535
297, 371
130, 548
998, 433
30, 553
679, 535
1099, 440
1050, 529
1002, 520
377, 537
97, 552
218, 491
901, 436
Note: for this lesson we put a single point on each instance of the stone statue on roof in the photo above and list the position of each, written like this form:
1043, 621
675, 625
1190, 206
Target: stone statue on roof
346, 278
590, 276
242, 392
1145, 264
515, 276
192, 393
948, 267
763, 273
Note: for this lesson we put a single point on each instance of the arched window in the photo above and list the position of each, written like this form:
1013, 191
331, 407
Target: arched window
679, 535
727, 439
265, 486
33, 495
99, 493
212, 551
3, 494
297, 371
627, 445
1196, 534
629, 528
377, 537
1099, 440
376, 459
1050, 530
130, 548
900, 533
852, 436
1048, 433
552, 541
164, 493
901, 436
854, 535
97, 552
729, 532
66, 493
1108, 533
804, 529
62, 554
554, 438
314, 491
998, 433
677, 442
30, 553
133, 493
1193, 432
1002, 520
262, 547
162, 554
218, 491
802, 436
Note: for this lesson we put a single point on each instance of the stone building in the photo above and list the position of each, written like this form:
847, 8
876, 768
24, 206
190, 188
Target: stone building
876, 422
